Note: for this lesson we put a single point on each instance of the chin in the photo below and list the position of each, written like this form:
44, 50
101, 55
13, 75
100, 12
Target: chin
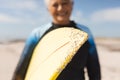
63, 20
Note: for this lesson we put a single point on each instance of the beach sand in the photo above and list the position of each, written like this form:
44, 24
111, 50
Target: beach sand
108, 49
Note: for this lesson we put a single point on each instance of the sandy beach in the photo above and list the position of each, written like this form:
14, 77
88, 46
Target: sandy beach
108, 49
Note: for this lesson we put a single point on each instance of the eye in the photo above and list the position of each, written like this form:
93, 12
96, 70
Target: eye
55, 5
64, 3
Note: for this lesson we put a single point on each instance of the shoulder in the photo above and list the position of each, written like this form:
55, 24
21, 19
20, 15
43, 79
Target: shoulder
87, 30
83, 28
36, 34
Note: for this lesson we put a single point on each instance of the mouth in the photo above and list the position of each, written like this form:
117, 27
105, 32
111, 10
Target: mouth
62, 14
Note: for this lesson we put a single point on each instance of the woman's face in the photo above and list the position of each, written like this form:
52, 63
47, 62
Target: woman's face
60, 10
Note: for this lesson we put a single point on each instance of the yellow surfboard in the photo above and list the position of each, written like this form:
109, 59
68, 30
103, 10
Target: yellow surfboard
54, 51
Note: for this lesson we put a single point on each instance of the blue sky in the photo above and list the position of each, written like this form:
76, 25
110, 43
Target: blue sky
19, 17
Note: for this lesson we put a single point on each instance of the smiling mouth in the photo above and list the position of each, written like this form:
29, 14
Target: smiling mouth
62, 14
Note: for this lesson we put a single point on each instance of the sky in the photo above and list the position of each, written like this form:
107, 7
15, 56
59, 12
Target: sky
19, 17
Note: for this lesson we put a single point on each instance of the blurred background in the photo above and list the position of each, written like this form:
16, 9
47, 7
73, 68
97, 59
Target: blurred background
19, 17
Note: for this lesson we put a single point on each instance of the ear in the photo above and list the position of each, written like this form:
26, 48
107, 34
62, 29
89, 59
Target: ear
72, 3
47, 9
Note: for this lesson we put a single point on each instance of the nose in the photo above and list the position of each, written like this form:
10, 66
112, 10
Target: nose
60, 7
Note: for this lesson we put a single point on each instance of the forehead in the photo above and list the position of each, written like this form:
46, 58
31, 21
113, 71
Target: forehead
59, 1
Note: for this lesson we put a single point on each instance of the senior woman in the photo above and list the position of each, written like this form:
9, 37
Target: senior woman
86, 57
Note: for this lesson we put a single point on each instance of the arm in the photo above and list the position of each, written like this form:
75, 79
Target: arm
23, 63
93, 65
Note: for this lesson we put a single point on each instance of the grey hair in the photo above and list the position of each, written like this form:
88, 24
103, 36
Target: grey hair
47, 2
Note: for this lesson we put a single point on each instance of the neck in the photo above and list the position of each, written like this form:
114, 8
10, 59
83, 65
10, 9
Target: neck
70, 24
61, 23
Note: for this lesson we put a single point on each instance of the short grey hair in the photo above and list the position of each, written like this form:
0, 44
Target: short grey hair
47, 2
